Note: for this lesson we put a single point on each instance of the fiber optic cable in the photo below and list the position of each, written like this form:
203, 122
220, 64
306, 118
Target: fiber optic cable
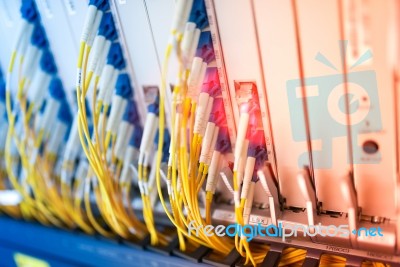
247, 106
152, 177
78, 195
182, 186
256, 157
194, 67
53, 104
48, 160
189, 186
41, 79
34, 52
60, 131
146, 183
109, 75
201, 101
203, 128
13, 210
94, 158
149, 133
52, 144
123, 92
122, 87
181, 157
30, 16
101, 46
125, 131
73, 152
223, 146
91, 180
205, 52
216, 121
96, 154
183, 7
131, 157
171, 177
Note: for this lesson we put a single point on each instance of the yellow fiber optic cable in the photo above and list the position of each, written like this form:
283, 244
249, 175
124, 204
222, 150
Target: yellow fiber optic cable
96, 159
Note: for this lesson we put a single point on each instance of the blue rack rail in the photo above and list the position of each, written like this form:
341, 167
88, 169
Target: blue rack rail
62, 248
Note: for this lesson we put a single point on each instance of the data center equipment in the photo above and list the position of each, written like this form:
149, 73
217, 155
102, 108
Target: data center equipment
204, 132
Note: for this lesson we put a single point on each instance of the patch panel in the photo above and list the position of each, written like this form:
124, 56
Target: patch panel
250, 65
144, 60
327, 170
380, 131
397, 133
8, 25
53, 19
278, 44
159, 15
155, 124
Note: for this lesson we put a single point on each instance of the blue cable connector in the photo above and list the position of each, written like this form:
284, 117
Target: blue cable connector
211, 83
115, 57
136, 137
65, 116
198, 14
107, 27
257, 149
56, 89
217, 114
47, 62
29, 11
64, 113
100, 4
205, 49
39, 38
154, 107
223, 144
2, 88
43, 107
123, 86
131, 114
105, 6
